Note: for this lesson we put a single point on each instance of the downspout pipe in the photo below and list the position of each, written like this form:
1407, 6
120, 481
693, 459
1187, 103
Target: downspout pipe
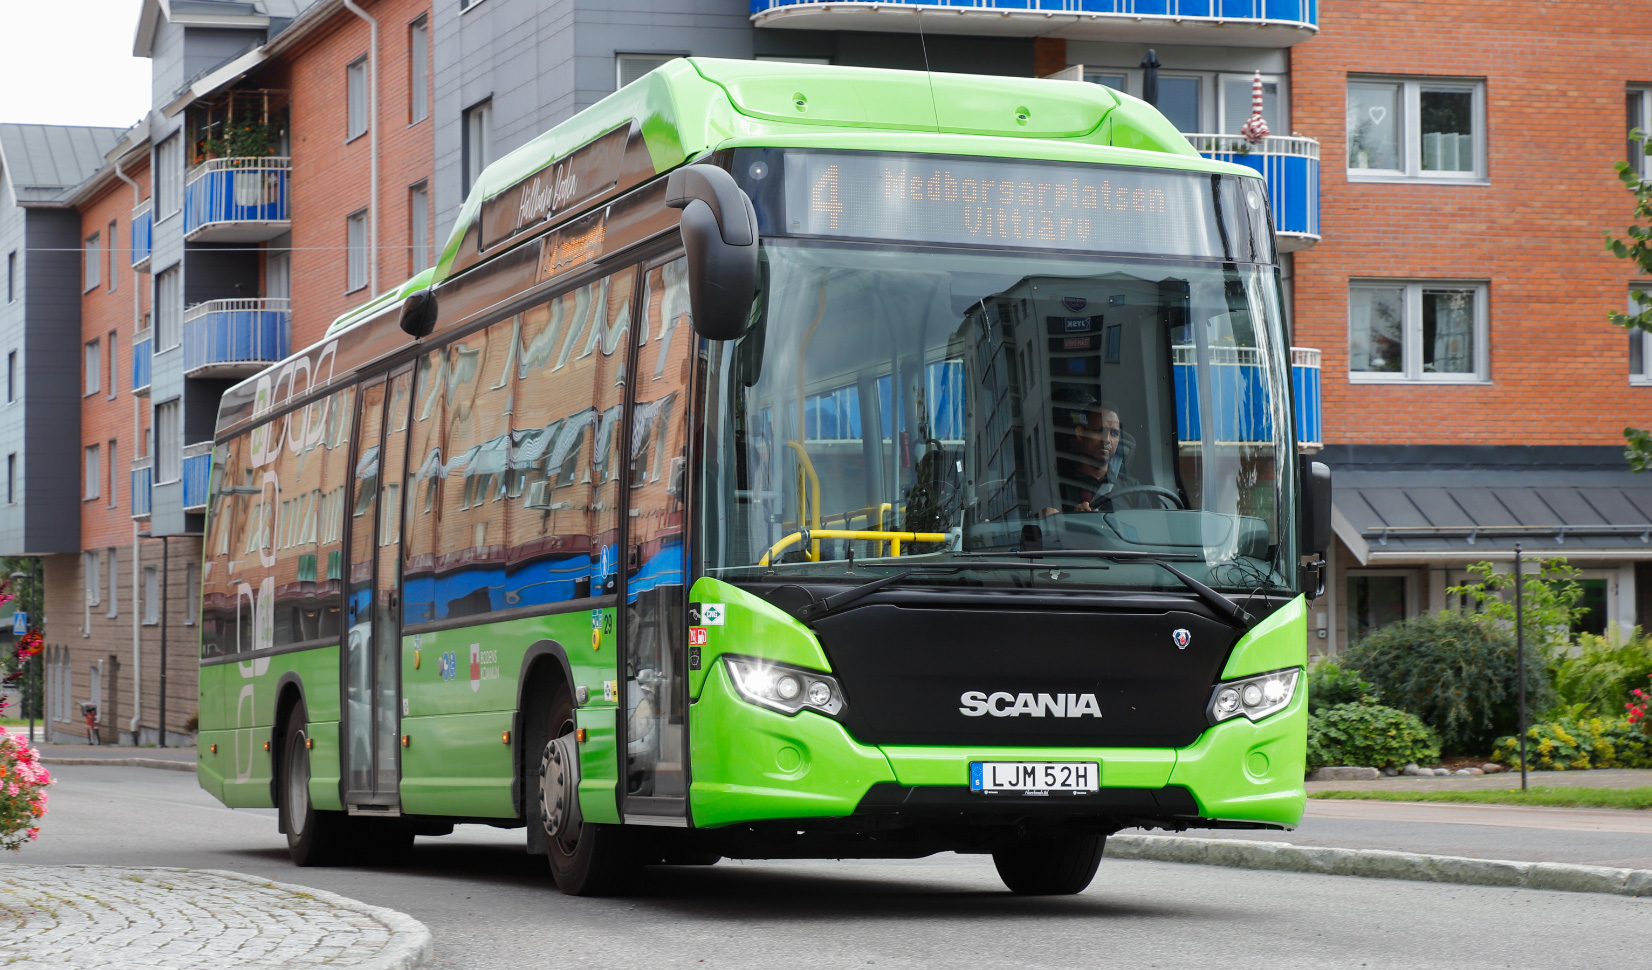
137, 425
372, 143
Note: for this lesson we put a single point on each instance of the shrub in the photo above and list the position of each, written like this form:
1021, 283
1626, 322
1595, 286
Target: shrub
1454, 671
1330, 683
1578, 744
1599, 678
1368, 735
23, 781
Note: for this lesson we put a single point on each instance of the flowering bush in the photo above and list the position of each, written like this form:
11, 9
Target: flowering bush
23, 781
1568, 743
1640, 709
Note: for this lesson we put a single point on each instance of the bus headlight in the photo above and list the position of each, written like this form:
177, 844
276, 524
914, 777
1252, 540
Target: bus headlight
1254, 697
784, 688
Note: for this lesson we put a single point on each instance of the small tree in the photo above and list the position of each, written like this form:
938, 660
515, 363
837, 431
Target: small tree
1549, 609
1637, 248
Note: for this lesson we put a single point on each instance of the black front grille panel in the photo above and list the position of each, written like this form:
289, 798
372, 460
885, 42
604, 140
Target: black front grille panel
905, 671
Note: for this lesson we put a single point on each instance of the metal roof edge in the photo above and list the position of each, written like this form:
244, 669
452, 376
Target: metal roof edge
295, 30
1349, 535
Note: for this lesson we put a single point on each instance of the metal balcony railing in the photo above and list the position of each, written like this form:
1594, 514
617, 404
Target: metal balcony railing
1242, 414
1291, 166
143, 352
143, 235
197, 475
143, 482
1244, 22
235, 338
237, 200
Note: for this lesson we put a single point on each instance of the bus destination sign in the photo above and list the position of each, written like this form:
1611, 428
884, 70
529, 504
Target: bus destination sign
1005, 203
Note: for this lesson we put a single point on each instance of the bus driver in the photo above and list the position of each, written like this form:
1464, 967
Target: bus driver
1088, 479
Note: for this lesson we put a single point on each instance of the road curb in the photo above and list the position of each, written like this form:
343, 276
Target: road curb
129, 762
1381, 864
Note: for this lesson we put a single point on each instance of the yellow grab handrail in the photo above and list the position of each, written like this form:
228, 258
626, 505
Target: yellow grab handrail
811, 535
806, 467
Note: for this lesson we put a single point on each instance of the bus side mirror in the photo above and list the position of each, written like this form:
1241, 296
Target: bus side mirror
719, 227
1314, 526
419, 314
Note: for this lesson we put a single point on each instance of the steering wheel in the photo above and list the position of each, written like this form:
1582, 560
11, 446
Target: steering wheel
1172, 500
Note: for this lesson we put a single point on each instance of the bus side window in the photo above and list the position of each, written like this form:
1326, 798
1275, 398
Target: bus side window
426, 469
218, 592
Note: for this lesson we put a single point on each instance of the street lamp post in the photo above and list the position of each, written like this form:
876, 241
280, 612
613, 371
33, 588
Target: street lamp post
28, 672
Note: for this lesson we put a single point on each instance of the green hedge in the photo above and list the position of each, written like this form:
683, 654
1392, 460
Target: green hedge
1369, 736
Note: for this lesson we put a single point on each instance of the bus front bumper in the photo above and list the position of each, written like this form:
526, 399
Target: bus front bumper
751, 764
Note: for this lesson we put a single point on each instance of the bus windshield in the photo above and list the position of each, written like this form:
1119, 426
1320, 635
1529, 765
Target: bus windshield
897, 405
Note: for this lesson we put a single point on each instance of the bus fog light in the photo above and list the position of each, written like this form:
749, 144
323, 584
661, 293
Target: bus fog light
1254, 697
781, 688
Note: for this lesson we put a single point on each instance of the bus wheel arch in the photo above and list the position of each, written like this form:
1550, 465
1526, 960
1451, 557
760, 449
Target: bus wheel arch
545, 670
289, 695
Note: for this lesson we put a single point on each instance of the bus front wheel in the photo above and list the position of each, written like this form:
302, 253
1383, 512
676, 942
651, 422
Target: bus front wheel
587, 858
314, 837
1058, 866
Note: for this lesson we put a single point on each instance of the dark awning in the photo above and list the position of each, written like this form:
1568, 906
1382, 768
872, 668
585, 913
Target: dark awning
1433, 502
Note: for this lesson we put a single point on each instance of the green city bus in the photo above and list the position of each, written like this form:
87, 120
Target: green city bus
784, 461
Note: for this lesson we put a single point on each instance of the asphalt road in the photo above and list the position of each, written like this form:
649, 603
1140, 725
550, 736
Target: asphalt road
492, 907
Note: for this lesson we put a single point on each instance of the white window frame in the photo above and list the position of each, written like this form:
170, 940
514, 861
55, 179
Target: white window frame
1413, 595
113, 559
92, 568
1638, 114
94, 263
92, 472
1642, 377
358, 100
91, 368
111, 459
1411, 126
476, 141
151, 596
418, 225
356, 255
167, 178
169, 446
418, 69
1412, 370
654, 58
168, 309
109, 358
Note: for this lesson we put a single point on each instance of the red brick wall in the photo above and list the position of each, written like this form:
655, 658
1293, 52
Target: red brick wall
103, 419
1049, 56
330, 177
1555, 82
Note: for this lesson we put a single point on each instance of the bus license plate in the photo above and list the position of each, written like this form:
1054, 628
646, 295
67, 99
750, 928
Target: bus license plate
1034, 777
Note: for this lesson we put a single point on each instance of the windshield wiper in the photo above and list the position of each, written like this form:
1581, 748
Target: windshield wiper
1226, 608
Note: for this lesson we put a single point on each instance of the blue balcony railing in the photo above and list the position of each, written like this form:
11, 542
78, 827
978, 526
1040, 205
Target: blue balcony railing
237, 200
143, 235
197, 468
235, 338
1291, 166
143, 347
143, 480
1236, 381
1284, 21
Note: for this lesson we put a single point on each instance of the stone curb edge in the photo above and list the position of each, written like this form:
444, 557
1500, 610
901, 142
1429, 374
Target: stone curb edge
410, 943
129, 762
1382, 864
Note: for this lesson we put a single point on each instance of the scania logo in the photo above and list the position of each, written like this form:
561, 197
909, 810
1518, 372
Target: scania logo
1002, 704
1181, 638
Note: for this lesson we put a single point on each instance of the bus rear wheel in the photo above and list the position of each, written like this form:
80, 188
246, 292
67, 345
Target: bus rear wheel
314, 837
587, 858
1059, 866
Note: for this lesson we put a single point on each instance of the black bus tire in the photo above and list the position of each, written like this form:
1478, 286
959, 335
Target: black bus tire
1059, 866
594, 861
314, 837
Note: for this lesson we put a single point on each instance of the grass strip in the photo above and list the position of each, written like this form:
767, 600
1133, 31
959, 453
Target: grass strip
1552, 797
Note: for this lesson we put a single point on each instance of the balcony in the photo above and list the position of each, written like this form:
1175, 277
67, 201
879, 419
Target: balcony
234, 338
143, 481
1291, 166
237, 200
197, 475
1230, 23
1236, 382
143, 350
143, 235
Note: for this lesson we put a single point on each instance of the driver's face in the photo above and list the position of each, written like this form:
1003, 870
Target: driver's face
1098, 437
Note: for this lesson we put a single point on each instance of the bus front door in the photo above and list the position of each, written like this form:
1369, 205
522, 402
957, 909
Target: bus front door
372, 676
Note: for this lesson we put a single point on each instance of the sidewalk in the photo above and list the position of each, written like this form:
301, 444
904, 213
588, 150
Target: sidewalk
174, 759
80, 917
1595, 778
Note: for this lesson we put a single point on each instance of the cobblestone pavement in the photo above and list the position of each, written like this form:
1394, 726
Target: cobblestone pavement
87, 917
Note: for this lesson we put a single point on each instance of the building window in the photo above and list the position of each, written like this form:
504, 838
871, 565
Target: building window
357, 98
94, 473
418, 62
113, 252
418, 225
151, 596
1638, 102
11, 479
467, 4
169, 310
11, 376
114, 576
169, 445
94, 261
1236, 96
167, 177
114, 473
114, 371
1417, 332
355, 268
1374, 601
1416, 129
629, 67
477, 149
1640, 342
92, 572
94, 368
11, 277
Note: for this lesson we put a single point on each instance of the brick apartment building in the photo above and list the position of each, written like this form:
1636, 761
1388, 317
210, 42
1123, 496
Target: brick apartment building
1440, 176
